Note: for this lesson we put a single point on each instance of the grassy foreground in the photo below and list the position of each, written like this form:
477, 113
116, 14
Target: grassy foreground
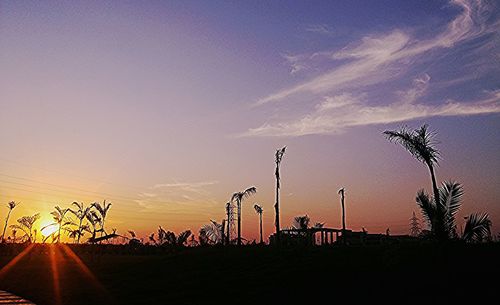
432, 274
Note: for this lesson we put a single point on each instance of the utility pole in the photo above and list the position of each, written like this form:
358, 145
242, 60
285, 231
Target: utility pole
414, 226
229, 218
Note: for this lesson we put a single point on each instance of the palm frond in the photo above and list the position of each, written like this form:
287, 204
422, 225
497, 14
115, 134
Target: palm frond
450, 194
477, 228
427, 206
250, 191
419, 143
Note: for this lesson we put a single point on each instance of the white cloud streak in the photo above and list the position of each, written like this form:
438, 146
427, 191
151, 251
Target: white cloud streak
371, 60
374, 60
353, 112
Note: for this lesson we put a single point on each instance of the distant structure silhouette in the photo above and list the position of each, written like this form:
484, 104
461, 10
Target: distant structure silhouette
415, 226
229, 222
279, 156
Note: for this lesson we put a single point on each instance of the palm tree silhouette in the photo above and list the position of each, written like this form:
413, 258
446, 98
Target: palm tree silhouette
81, 214
441, 214
278, 157
238, 197
420, 143
11, 205
259, 210
103, 211
25, 224
477, 226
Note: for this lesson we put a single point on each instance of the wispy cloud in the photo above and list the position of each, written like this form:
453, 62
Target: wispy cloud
184, 185
373, 59
177, 193
319, 28
353, 111
296, 62
344, 91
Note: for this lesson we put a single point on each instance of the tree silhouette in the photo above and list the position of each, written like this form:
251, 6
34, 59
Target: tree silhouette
259, 210
421, 144
103, 211
278, 157
477, 227
11, 205
238, 197
25, 224
80, 213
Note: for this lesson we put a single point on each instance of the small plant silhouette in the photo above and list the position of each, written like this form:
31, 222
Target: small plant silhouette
11, 205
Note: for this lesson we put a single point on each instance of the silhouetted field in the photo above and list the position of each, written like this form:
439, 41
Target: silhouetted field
401, 273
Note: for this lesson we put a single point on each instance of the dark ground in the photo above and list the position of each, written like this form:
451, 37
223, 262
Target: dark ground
402, 274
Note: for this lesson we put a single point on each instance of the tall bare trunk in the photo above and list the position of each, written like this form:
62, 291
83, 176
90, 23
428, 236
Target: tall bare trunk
261, 228
80, 230
5, 227
228, 237
277, 207
343, 219
438, 225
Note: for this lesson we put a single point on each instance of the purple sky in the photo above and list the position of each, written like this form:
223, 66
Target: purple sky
166, 109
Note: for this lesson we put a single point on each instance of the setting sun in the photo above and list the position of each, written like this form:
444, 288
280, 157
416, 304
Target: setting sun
48, 228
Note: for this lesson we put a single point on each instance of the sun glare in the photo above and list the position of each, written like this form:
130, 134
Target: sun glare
47, 229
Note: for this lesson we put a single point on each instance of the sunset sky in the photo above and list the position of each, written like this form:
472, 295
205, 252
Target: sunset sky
167, 108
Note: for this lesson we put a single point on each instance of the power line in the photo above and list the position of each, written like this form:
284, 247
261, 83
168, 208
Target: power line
103, 194
70, 175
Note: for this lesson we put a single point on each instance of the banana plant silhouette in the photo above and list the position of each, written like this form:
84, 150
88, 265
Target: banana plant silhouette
60, 220
103, 212
80, 213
